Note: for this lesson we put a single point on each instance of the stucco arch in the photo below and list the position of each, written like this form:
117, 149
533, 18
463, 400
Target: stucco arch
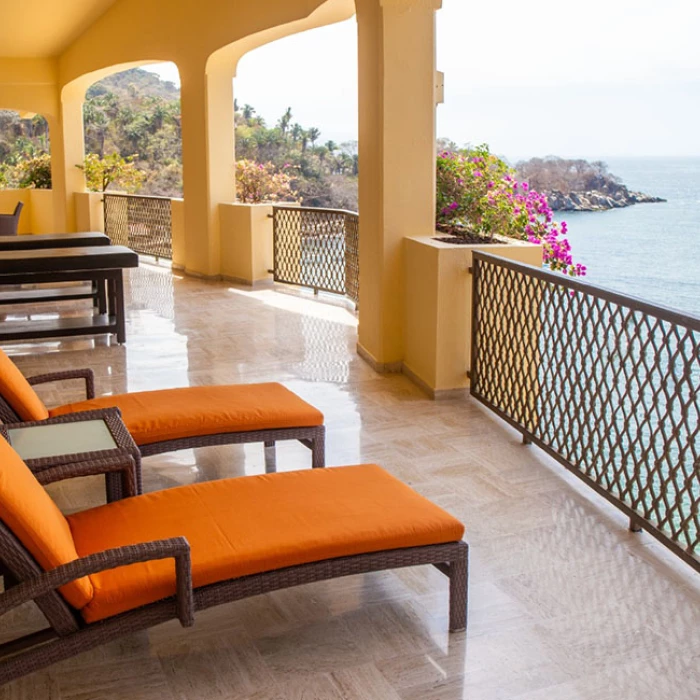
77, 87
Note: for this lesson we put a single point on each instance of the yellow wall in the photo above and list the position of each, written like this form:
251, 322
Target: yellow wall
397, 99
29, 85
89, 211
437, 309
42, 220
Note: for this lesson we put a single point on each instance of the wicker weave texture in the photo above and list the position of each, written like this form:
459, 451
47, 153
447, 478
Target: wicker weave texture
451, 558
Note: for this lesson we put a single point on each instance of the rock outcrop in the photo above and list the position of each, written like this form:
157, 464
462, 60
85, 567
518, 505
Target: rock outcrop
596, 200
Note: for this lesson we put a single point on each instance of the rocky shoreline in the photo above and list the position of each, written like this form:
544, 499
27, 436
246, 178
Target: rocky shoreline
597, 200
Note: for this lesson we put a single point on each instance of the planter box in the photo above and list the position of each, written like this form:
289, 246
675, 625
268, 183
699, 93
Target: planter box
438, 299
246, 241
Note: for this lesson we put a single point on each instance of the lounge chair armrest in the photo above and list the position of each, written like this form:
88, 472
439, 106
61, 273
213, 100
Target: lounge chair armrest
86, 373
121, 463
176, 548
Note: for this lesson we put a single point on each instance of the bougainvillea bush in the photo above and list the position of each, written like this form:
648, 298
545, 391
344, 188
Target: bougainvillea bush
263, 182
478, 195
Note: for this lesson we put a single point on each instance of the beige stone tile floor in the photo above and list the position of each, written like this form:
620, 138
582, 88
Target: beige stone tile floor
565, 602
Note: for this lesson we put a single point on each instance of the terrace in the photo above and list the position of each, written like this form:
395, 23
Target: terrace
565, 602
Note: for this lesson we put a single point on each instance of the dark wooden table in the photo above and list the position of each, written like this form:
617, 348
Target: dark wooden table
101, 266
53, 240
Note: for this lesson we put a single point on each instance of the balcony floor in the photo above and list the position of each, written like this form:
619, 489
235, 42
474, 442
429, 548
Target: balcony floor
565, 603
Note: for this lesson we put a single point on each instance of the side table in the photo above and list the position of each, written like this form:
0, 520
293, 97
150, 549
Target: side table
80, 444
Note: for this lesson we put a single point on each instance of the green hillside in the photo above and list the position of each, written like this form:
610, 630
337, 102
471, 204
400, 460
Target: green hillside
136, 114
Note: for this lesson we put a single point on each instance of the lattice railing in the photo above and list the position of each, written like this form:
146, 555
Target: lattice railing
606, 384
317, 248
143, 224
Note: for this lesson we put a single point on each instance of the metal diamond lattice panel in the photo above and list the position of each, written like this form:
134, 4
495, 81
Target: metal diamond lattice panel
608, 385
144, 224
317, 248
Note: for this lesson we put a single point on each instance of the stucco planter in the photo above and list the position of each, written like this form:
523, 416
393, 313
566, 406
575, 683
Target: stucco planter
246, 241
438, 298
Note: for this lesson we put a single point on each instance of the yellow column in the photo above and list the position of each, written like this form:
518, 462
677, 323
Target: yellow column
396, 47
207, 161
67, 151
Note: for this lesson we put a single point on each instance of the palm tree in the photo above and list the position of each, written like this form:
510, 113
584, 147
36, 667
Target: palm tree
248, 112
297, 133
284, 121
313, 133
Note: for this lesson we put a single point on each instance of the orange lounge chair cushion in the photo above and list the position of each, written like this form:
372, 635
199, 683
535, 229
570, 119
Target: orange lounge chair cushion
35, 520
18, 392
248, 525
171, 414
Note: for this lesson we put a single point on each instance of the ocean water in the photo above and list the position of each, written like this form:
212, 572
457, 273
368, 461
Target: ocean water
650, 251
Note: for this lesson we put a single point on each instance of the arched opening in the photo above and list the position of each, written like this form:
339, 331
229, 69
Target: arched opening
25, 170
305, 128
133, 118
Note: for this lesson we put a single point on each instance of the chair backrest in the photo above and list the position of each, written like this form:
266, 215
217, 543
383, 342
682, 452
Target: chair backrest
34, 519
9, 223
18, 392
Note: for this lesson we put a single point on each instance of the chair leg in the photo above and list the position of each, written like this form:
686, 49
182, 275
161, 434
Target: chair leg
459, 579
318, 449
270, 457
113, 487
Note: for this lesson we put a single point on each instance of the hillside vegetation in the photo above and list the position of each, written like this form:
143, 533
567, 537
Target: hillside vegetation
137, 115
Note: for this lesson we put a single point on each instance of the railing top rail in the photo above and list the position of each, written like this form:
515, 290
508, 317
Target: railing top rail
320, 210
135, 196
664, 313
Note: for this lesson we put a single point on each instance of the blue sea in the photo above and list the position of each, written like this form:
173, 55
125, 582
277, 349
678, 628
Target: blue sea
651, 251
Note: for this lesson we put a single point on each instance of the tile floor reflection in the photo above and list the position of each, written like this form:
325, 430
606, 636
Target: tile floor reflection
565, 603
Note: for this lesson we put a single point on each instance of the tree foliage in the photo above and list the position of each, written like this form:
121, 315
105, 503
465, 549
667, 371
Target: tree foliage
263, 182
567, 175
112, 169
136, 115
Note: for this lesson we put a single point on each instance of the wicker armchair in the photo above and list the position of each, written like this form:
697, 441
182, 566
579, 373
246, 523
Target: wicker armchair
318, 525
10, 222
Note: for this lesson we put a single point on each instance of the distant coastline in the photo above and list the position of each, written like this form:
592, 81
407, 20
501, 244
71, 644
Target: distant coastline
596, 200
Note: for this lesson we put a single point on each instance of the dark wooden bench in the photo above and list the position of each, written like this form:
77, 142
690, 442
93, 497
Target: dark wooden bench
54, 240
101, 266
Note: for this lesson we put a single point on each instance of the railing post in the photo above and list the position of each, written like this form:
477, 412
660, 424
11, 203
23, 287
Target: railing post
474, 271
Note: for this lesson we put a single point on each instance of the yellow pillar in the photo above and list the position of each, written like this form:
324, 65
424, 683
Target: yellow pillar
207, 161
396, 51
67, 151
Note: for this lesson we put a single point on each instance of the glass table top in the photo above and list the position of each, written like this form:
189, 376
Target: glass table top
40, 441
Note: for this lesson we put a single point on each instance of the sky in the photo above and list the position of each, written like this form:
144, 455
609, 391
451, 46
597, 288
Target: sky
608, 78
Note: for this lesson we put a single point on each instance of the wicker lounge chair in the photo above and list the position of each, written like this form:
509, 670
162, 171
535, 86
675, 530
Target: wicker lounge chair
10, 222
177, 419
317, 525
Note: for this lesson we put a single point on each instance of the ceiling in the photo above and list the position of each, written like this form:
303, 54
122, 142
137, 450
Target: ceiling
43, 28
